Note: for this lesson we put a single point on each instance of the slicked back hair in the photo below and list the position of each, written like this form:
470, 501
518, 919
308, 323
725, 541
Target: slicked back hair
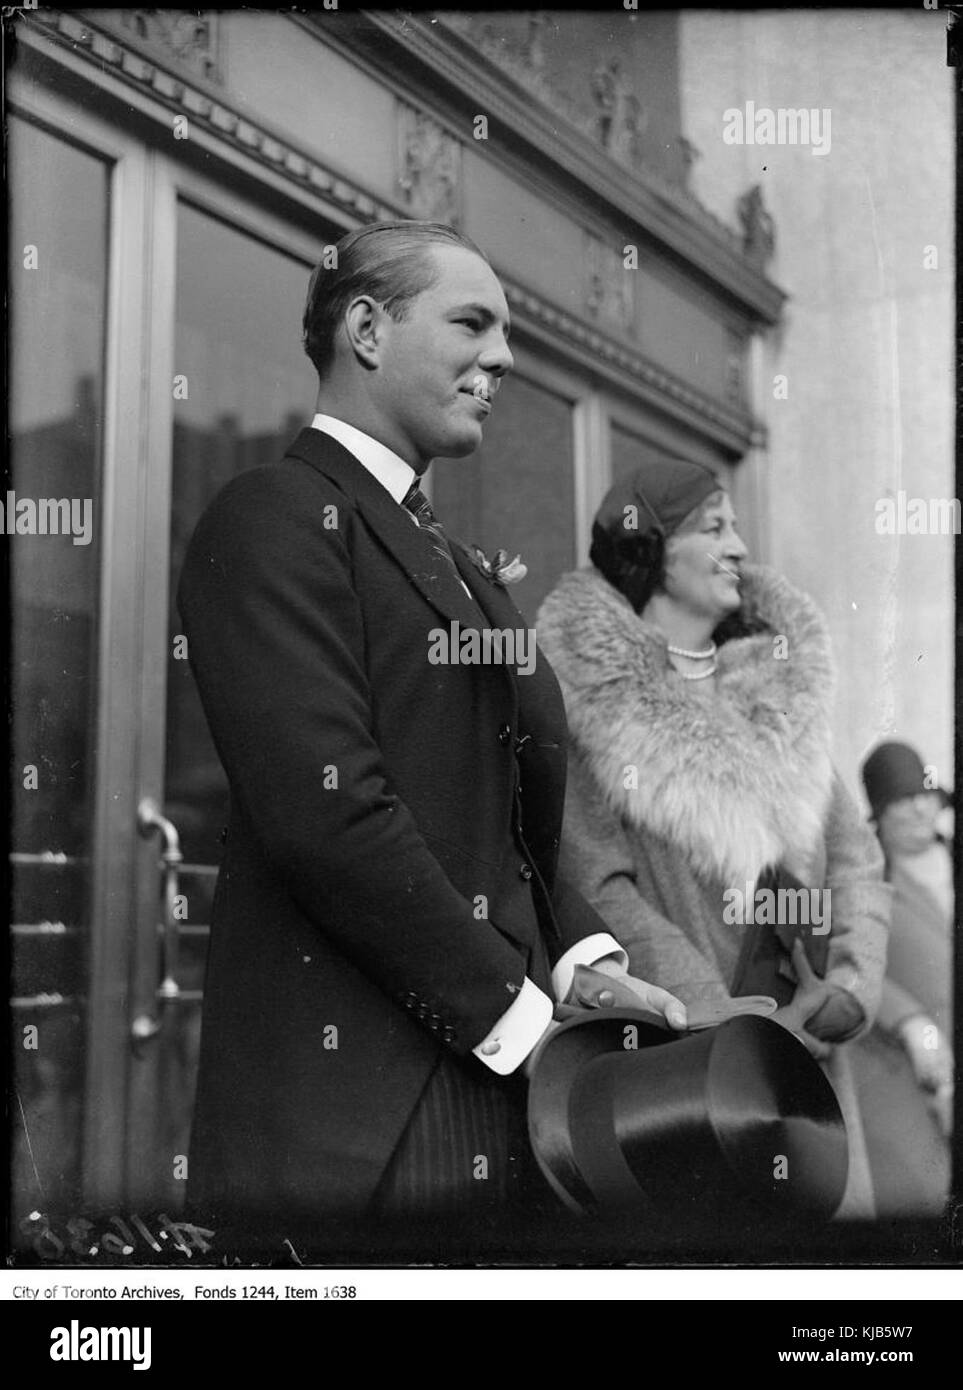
390, 261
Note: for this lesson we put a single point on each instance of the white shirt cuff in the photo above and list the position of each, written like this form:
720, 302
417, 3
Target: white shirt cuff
517, 1031
586, 952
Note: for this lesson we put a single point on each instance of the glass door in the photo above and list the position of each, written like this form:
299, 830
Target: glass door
242, 387
53, 508
155, 348
84, 251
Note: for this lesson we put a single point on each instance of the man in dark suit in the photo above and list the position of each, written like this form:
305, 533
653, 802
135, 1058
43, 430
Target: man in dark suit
389, 934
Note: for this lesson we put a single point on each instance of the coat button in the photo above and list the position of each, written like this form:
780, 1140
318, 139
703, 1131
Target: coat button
525, 872
489, 1049
448, 1035
505, 735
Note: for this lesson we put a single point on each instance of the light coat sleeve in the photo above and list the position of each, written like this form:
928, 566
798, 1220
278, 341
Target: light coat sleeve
896, 1005
860, 904
597, 856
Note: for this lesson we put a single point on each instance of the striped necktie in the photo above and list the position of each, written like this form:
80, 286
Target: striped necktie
417, 503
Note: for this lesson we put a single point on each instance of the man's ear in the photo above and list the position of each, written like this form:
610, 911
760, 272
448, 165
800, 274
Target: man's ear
364, 325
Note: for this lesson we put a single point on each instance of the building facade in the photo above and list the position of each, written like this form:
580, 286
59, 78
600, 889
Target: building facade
856, 384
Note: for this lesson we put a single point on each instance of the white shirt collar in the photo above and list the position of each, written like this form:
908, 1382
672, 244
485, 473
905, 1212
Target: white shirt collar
387, 467
384, 465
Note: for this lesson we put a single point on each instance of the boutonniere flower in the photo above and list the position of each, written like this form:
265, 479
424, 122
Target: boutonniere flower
499, 569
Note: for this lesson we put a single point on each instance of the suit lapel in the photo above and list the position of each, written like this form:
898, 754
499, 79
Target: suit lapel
535, 708
410, 547
495, 605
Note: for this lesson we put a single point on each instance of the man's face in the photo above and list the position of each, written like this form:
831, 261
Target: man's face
440, 366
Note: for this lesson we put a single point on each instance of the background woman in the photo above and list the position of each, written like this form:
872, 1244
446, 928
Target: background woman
698, 691
904, 1067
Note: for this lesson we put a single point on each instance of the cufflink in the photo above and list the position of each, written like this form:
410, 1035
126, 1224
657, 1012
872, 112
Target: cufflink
489, 1049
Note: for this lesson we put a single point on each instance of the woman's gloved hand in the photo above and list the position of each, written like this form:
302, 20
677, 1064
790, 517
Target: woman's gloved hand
838, 1018
811, 995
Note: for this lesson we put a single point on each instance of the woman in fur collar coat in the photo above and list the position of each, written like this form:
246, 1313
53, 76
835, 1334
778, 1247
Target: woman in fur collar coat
698, 691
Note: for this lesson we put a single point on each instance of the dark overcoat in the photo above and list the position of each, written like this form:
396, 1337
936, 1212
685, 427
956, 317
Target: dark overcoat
390, 866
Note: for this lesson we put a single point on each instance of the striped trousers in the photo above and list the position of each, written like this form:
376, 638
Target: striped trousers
465, 1149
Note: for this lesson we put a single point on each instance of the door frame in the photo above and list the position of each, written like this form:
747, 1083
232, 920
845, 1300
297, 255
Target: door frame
122, 510
134, 511
173, 183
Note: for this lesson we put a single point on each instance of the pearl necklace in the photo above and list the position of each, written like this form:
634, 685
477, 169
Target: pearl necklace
707, 655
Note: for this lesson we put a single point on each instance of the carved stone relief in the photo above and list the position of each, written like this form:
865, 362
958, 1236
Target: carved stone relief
429, 167
621, 119
609, 287
735, 377
191, 36
611, 111
758, 227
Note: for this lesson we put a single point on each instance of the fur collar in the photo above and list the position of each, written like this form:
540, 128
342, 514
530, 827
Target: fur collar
738, 783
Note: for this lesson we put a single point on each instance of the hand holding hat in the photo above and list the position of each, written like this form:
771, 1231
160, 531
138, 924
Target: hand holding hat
591, 989
595, 989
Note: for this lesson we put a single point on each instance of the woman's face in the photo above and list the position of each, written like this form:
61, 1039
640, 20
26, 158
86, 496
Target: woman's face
908, 826
704, 559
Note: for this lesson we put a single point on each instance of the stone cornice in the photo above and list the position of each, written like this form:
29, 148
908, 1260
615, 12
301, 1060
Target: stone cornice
422, 57
251, 145
630, 371
115, 53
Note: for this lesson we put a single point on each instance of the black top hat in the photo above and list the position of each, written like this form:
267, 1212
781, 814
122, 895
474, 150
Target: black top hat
623, 1115
893, 771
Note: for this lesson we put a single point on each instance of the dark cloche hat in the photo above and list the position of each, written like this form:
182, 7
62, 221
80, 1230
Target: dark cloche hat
893, 771
662, 493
